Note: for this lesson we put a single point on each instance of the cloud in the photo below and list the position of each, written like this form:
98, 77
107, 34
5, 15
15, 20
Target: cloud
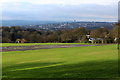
63, 2
104, 10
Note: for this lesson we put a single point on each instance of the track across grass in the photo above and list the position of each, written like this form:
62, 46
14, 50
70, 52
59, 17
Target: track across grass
74, 62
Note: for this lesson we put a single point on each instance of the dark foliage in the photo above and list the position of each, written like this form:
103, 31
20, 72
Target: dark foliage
15, 34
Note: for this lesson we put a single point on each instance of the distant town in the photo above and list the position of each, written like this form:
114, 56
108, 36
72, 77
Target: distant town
53, 26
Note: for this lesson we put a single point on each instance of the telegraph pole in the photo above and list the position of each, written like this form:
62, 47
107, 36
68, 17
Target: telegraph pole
118, 25
118, 39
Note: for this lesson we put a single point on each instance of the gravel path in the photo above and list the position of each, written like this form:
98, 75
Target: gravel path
35, 47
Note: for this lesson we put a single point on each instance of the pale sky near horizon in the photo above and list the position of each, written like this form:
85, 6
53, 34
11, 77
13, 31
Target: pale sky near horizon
60, 10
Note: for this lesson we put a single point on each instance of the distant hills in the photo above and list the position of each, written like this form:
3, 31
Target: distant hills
23, 22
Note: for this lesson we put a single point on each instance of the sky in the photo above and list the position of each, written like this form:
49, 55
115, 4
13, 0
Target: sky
60, 10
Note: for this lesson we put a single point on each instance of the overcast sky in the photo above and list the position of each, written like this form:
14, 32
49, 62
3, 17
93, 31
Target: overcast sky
60, 10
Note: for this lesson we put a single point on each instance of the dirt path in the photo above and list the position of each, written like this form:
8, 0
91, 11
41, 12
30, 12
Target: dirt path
35, 47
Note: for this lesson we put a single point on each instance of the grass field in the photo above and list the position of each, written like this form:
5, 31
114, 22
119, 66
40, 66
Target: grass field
30, 44
74, 62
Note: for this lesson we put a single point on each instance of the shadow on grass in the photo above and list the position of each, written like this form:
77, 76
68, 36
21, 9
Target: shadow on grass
119, 62
101, 69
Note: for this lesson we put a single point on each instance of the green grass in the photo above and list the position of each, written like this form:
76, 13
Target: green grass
29, 44
75, 62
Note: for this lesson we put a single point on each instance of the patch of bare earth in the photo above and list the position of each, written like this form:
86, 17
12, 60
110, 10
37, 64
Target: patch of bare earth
35, 47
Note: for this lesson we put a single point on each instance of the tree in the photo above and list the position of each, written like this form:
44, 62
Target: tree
116, 32
84, 39
79, 33
101, 33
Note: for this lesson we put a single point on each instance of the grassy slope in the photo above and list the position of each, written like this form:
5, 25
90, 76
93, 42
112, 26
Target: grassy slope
83, 62
29, 44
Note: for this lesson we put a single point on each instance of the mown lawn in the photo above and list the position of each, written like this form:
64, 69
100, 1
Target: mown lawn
30, 44
75, 62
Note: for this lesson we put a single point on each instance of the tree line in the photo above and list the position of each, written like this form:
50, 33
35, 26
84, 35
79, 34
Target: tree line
77, 35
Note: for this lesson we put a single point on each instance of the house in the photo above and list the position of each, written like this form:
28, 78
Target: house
96, 40
115, 40
21, 40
